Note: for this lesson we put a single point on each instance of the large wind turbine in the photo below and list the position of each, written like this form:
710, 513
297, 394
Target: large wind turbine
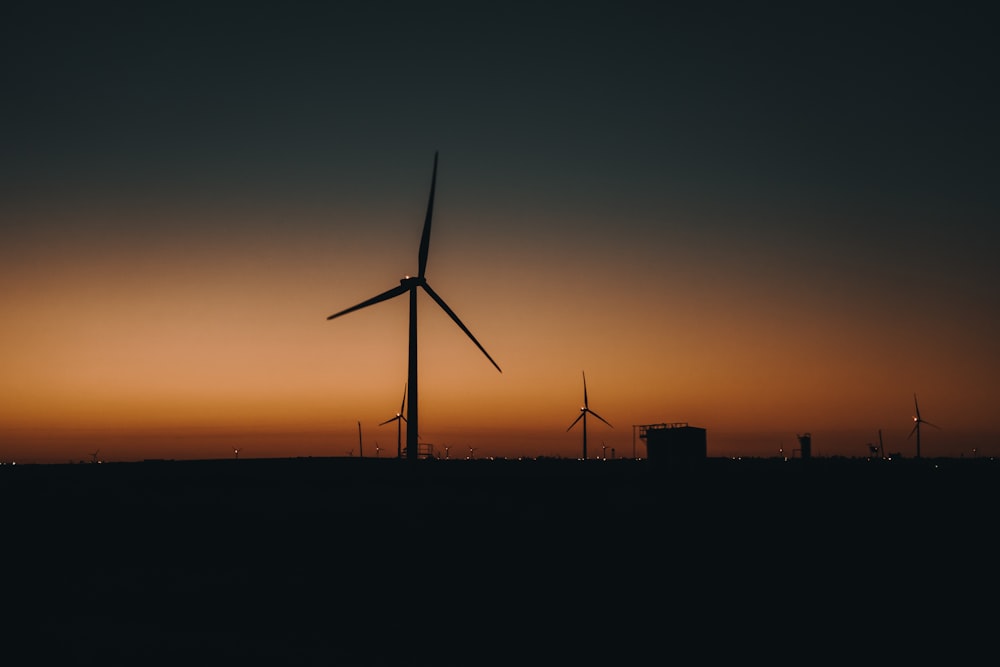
917, 421
399, 419
410, 284
583, 415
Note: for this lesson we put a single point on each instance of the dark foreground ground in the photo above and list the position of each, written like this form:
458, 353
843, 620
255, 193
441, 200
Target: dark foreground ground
357, 562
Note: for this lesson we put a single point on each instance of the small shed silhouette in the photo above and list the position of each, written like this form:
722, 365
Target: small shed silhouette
675, 442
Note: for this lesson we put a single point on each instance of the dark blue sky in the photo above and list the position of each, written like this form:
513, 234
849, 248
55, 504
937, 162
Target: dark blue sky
867, 101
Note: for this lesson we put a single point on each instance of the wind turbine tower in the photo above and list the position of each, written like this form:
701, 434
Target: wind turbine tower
917, 421
410, 285
399, 418
583, 415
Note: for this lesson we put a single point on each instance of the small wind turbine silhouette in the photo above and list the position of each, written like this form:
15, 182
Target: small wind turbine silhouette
399, 419
917, 421
409, 284
583, 415
93, 457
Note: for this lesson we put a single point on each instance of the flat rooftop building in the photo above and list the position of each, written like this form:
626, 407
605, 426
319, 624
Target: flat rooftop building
675, 442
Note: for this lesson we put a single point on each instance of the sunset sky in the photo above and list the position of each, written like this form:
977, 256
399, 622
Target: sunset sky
762, 222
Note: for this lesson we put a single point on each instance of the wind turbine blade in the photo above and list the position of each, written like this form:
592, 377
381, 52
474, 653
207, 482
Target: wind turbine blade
916, 407
425, 238
916, 427
457, 321
585, 404
599, 417
576, 420
929, 424
388, 294
403, 403
387, 421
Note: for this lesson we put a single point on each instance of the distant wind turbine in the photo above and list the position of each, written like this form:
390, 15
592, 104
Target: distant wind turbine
399, 419
409, 284
583, 415
917, 421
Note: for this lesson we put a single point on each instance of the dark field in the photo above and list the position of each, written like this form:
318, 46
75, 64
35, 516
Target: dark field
351, 561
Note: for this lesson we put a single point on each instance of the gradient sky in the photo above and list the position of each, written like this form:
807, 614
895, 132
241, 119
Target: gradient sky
760, 221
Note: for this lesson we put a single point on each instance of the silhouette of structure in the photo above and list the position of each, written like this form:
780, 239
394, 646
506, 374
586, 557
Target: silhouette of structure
675, 442
399, 418
410, 285
583, 415
361, 448
917, 421
805, 446
877, 450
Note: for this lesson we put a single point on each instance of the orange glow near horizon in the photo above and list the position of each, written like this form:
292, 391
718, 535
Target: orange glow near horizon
195, 347
715, 232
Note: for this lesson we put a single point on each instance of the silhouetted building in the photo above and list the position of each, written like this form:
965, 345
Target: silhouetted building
674, 443
805, 445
